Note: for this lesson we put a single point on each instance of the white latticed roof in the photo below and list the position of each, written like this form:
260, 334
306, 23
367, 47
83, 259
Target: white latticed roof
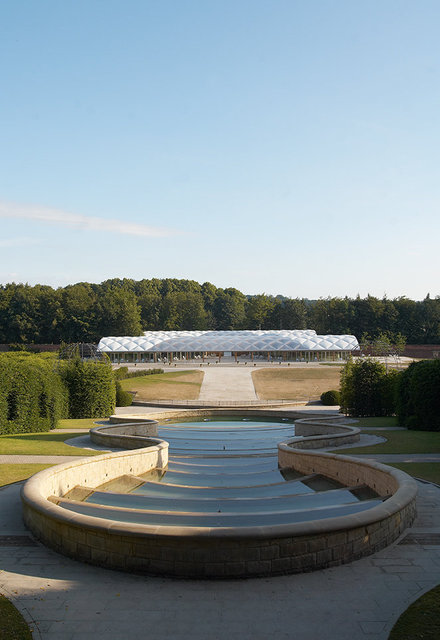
187, 341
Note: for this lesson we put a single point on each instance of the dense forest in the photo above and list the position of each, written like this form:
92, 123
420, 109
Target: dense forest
85, 312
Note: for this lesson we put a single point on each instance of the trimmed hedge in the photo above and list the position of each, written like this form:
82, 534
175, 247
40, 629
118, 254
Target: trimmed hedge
91, 387
123, 373
367, 389
32, 395
123, 398
418, 396
331, 398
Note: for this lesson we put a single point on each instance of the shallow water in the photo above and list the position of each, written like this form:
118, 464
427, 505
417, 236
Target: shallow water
224, 473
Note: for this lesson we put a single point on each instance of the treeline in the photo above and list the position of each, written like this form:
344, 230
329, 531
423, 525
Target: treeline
85, 312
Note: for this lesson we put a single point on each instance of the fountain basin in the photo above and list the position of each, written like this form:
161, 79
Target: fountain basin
214, 551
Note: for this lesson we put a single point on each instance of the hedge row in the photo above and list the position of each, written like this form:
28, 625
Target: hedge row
418, 396
36, 391
122, 373
91, 388
32, 394
368, 389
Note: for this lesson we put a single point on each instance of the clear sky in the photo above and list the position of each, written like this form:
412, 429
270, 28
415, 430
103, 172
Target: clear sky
276, 146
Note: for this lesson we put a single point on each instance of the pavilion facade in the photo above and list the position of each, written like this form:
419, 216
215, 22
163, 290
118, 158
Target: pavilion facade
270, 345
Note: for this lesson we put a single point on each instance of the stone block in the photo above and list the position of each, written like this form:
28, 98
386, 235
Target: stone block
270, 552
259, 568
294, 547
235, 568
324, 557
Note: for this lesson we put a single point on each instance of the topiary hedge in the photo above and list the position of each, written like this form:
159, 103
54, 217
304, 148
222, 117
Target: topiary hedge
91, 387
32, 395
122, 373
418, 396
368, 389
123, 398
331, 398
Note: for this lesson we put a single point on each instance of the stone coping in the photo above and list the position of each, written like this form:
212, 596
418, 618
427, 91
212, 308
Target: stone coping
200, 404
324, 432
216, 552
135, 434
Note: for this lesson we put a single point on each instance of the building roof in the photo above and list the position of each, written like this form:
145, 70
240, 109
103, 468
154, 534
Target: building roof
187, 341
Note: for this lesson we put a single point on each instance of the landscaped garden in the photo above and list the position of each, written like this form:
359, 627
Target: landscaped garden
421, 621
12, 624
176, 385
295, 383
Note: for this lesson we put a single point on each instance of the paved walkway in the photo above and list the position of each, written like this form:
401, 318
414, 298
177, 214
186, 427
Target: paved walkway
227, 384
67, 600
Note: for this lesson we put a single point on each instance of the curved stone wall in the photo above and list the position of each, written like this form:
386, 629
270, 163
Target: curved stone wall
126, 435
209, 552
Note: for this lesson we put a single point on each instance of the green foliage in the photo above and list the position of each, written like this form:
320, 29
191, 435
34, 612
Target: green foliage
122, 373
367, 389
418, 396
119, 313
331, 398
12, 624
32, 395
84, 312
91, 387
123, 398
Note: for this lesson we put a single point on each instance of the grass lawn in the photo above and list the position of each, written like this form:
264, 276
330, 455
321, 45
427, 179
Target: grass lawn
79, 423
299, 383
420, 620
176, 385
425, 470
41, 444
400, 442
16, 472
371, 423
12, 624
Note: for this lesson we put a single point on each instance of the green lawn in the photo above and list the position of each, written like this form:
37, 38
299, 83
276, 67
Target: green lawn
421, 620
176, 385
12, 624
425, 470
41, 444
372, 423
400, 442
15, 472
79, 423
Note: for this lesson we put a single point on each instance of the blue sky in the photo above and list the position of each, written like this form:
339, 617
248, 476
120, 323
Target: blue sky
275, 146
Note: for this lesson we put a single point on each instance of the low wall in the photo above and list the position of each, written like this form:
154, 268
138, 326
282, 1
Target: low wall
213, 552
321, 433
128, 435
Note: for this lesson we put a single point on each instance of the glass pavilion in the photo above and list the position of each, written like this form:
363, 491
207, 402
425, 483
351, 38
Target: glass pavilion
271, 346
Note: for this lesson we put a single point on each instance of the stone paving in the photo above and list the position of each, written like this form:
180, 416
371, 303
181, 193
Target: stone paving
64, 599
227, 384
67, 600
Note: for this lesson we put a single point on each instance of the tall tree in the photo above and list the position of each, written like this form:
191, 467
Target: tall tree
229, 309
79, 314
259, 311
119, 313
183, 311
